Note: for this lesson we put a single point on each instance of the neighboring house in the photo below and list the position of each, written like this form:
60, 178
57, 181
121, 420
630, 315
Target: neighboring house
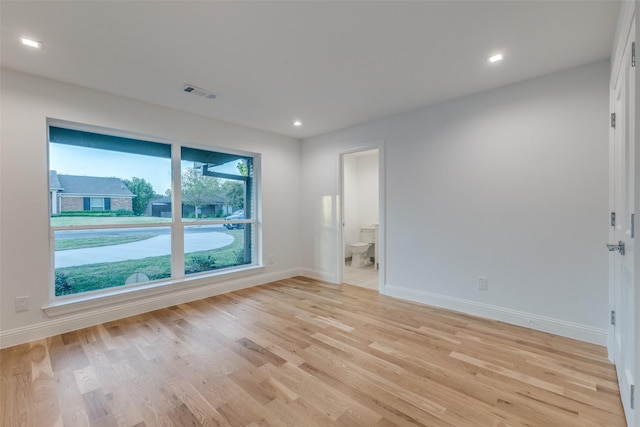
162, 208
88, 193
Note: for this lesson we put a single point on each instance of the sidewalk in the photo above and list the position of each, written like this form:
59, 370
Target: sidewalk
155, 246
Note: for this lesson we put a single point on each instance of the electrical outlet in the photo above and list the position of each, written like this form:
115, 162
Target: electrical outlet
483, 283
22, 304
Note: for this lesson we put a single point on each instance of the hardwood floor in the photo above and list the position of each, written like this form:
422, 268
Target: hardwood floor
304, 353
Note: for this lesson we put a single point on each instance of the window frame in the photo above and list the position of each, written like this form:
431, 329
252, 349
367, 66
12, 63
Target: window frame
64, 304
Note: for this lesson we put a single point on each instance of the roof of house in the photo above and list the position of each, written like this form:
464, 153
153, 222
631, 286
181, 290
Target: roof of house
90, 185
162, 201
54, 182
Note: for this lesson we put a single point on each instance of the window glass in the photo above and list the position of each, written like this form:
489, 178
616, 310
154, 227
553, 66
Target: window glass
214, 247
217, 188
94, 259
97, 203
122, 177
98, 180
215, 185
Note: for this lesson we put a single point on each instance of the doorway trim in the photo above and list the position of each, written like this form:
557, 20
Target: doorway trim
378, 144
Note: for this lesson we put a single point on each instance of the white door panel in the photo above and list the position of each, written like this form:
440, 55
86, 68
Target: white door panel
622, 262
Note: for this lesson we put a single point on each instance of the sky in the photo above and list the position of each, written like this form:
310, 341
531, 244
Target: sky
75, 160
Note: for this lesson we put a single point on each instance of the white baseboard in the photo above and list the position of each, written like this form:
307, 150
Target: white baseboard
533, 321
102, 314
318, 275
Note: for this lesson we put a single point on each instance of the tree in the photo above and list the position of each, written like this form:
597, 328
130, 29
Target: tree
242, 168
198, 190
234, 192
143, 192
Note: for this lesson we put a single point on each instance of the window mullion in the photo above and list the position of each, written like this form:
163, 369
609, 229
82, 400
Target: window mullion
177, 227
248, 206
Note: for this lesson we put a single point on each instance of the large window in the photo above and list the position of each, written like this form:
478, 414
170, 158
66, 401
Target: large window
113, 211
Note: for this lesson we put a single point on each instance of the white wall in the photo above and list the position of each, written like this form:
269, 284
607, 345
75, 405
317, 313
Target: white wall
368, 189
26, 103
509, 184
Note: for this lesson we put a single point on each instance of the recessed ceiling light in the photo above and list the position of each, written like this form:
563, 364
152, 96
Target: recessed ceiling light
297, 123
495, 58
32, 43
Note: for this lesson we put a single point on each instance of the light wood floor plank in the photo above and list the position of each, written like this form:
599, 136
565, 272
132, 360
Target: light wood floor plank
300, 352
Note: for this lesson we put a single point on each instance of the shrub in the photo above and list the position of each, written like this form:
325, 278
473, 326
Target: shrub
197, 263
87, 213
123, 212
62, 285
238, 256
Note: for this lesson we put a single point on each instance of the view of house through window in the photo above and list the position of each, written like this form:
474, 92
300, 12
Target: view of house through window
112, 214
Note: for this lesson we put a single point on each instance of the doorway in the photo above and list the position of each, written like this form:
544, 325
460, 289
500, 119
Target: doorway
361, 219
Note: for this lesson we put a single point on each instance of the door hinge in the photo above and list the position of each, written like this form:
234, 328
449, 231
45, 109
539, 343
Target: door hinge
633, 225
632, 392
613, 317
613, 219
633, 54
613, 120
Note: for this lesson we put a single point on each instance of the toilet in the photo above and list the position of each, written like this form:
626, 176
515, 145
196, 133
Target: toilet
360, 251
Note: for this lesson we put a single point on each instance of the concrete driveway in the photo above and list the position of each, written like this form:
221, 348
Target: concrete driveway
155, 246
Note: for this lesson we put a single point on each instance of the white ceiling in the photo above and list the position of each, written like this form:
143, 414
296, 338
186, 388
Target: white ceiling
330, 64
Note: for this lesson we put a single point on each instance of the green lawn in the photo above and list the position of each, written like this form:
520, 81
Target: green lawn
72, 280
93, 242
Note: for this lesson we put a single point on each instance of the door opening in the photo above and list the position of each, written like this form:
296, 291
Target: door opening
360, 216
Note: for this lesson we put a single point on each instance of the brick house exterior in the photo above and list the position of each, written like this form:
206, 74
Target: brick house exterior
162, 208
86, 193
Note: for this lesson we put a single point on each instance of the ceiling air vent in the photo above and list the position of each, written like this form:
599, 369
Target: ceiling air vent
194, 90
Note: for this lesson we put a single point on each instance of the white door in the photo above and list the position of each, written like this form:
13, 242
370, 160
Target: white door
621, 262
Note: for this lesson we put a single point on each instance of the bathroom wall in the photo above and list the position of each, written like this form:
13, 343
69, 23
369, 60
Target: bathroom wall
361, 190
510, 184
368, 188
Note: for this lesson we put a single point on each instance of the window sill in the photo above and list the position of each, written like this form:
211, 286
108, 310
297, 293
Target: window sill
121, 295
